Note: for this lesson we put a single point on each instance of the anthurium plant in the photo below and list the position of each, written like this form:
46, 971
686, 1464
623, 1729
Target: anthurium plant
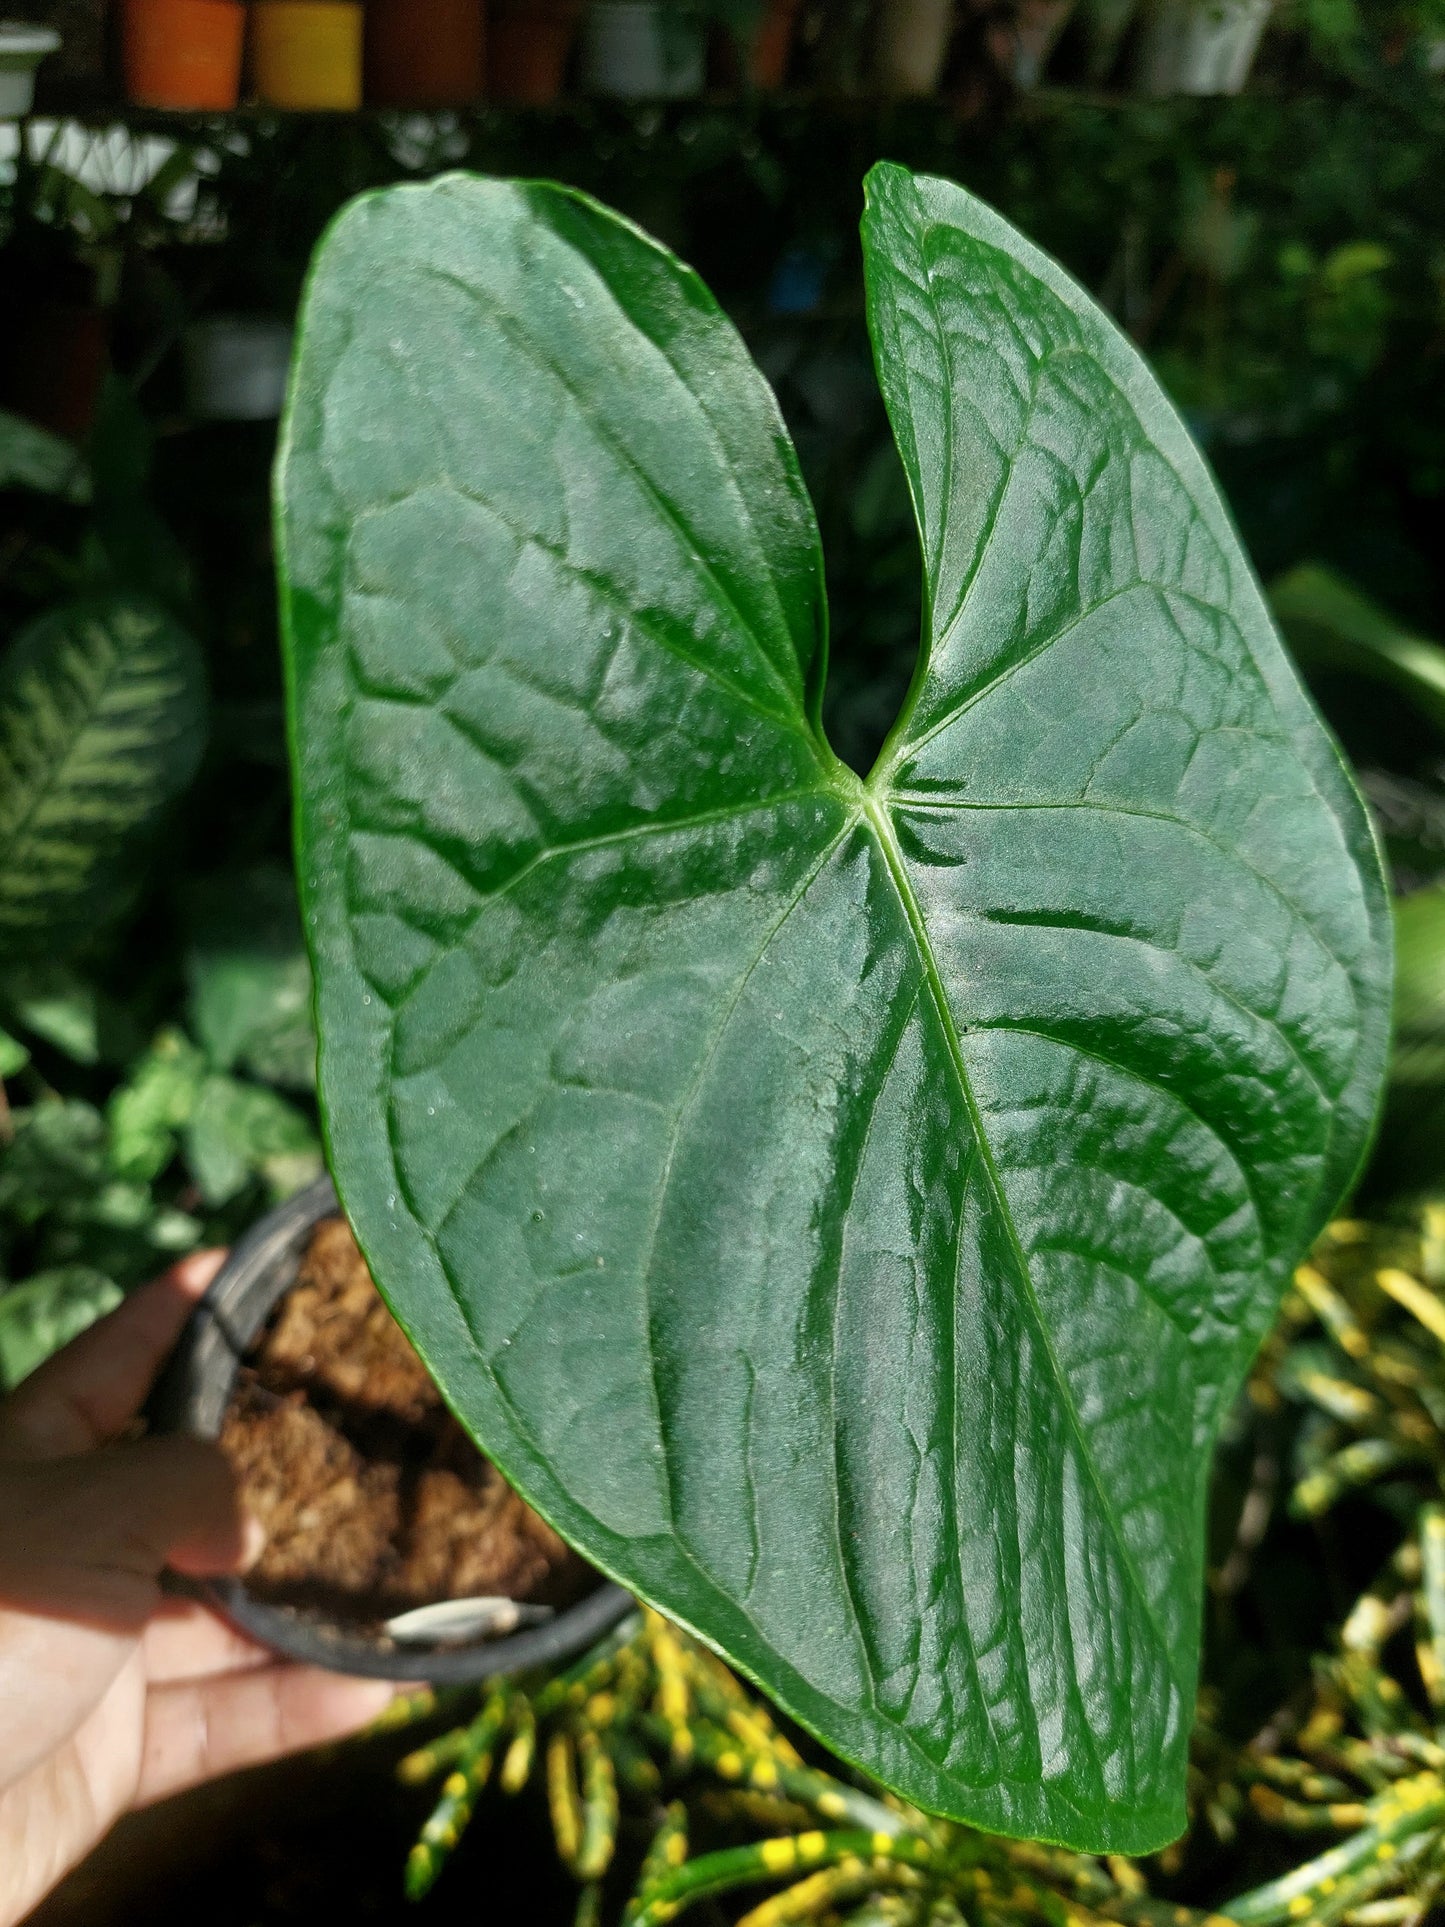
844, 1206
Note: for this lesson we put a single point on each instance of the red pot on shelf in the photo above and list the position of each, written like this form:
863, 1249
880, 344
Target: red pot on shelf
772, 45
53, 361
183, 54
531, 41
424, 53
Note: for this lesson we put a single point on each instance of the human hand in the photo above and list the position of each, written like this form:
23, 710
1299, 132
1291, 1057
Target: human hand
112, 1694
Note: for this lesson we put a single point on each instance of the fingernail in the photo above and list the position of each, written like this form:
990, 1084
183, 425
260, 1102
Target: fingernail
194, 1272
253, 1541
374, 1699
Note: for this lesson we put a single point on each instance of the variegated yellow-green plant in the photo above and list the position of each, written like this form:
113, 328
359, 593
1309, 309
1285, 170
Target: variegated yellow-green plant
102, 724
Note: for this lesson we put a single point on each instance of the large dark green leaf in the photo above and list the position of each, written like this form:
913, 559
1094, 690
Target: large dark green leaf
102, 716
845, 1209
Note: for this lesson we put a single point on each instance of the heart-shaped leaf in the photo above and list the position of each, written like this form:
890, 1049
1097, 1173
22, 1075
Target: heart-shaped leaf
844, 1209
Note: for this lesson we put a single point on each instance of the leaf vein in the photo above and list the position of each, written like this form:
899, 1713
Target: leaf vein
526, 345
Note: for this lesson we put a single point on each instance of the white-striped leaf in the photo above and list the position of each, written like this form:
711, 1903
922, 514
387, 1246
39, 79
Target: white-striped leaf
102, 722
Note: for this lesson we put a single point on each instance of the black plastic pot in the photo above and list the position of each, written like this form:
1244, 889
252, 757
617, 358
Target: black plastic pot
192, 1396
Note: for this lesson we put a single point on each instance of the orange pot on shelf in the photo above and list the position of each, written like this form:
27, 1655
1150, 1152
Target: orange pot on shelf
424, 53
306, 54
183, 54
531, 41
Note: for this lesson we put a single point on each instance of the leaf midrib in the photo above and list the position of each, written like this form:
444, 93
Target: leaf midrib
863, 805
882, 826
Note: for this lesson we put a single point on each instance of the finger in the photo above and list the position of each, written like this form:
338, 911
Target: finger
197, 1730
52, 1679
186, 1641
91, 1390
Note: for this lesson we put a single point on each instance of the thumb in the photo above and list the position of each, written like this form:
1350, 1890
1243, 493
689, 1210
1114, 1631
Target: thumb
88, 1537
173, 1502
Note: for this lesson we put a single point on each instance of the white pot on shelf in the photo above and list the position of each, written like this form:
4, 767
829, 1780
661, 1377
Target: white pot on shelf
642, 50
1200, 46
236, 367
1105, 24
1035, 33
22, 49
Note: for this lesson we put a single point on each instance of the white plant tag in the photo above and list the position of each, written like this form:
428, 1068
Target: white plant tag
452, 1622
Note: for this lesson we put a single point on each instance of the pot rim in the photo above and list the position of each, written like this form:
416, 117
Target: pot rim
192, 1395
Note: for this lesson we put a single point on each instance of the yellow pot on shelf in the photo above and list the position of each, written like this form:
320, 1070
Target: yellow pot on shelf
306, 54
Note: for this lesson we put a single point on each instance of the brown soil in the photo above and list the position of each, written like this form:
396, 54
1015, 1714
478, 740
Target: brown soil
373, 1498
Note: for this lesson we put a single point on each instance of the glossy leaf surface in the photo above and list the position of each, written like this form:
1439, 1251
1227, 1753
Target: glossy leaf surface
844, 1209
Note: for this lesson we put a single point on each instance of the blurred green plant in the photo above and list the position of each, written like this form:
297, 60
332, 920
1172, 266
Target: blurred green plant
1331, 626
148, 1102
1412, 1130
122, 1147
40, 1316
1340, 634
102, 723
248, 978
33, 458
